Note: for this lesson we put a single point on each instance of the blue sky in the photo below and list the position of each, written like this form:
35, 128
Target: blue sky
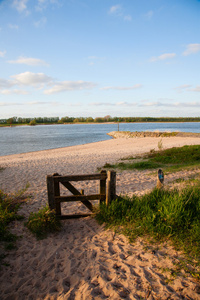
99, 57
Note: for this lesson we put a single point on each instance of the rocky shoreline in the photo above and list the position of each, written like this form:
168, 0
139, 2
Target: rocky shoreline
141, 134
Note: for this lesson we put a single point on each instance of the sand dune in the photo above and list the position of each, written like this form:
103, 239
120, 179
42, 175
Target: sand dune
84, 260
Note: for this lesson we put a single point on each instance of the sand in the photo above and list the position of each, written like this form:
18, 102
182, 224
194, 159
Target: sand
85, 260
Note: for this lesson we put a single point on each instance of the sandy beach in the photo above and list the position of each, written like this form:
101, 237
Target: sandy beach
84, 260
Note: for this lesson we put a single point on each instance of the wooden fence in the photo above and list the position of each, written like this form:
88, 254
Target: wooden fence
107, 191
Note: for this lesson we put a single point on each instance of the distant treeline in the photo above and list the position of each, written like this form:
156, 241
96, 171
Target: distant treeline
64, 120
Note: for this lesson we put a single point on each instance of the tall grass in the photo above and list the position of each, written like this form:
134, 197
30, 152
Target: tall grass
162, 214
9, 206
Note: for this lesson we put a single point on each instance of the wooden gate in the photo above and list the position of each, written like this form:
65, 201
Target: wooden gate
107, 191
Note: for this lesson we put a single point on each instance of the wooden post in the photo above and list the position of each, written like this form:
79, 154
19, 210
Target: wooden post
57, 193
160, 179
51, 192
102, 187
111, 187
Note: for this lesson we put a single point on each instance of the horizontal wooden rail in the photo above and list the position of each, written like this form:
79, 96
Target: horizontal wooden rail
81, 198
63, 179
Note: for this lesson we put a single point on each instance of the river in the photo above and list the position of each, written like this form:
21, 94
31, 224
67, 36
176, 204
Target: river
20, 139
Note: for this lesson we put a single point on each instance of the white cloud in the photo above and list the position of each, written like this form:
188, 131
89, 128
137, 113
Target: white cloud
95, 59
186, 104
9, 103
115, 9
124, 103
13, 26
128, 18
4, 83
191, 49
102, 104
149, 15
15, 92
151, 104
38, 103
118, 11
163, 57
197, 89
32, 79
70, 86
167, 104
21, 6
122, 88
183, 87
26, 103
42, 81
41, 22
42, 4
187, 87
29, 61
2, 53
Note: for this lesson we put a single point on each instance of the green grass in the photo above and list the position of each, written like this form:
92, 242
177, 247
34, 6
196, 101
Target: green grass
43, 222
9, 206
172, 159
161, 214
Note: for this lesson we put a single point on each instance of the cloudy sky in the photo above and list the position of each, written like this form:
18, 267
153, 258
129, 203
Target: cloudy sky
99, 57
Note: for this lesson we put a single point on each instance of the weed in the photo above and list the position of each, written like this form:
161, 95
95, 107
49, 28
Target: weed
43, 222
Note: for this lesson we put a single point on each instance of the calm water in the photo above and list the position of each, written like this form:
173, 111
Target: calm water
22, 139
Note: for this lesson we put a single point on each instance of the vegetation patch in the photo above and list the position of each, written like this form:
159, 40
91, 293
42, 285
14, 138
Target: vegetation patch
161, 214
9, 206
175, 158
43, 222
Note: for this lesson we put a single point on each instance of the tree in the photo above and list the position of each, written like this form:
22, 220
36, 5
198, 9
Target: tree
33, 122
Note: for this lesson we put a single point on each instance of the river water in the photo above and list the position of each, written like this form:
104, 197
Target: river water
21, 139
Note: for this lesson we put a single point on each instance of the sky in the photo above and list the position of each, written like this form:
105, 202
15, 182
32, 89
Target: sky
82, 58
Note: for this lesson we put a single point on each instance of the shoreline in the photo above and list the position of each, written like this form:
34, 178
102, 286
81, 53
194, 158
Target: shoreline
122, 135
84, 260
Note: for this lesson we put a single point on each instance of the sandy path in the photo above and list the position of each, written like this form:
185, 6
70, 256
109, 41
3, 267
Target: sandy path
85, 261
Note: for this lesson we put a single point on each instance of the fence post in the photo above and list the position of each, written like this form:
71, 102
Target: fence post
102, 186
51, 192
57, 193
160, 179
111, 187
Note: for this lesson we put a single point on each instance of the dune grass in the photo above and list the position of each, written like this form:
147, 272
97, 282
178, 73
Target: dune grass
43, 222
9, 206
172, 159
162, 214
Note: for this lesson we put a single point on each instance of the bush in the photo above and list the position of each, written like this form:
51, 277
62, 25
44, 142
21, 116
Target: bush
43, 222
32, 123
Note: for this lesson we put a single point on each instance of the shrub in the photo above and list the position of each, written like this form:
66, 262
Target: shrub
43, 222
33, 122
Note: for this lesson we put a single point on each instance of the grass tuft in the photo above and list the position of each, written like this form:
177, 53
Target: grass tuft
9, 206
43, 222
